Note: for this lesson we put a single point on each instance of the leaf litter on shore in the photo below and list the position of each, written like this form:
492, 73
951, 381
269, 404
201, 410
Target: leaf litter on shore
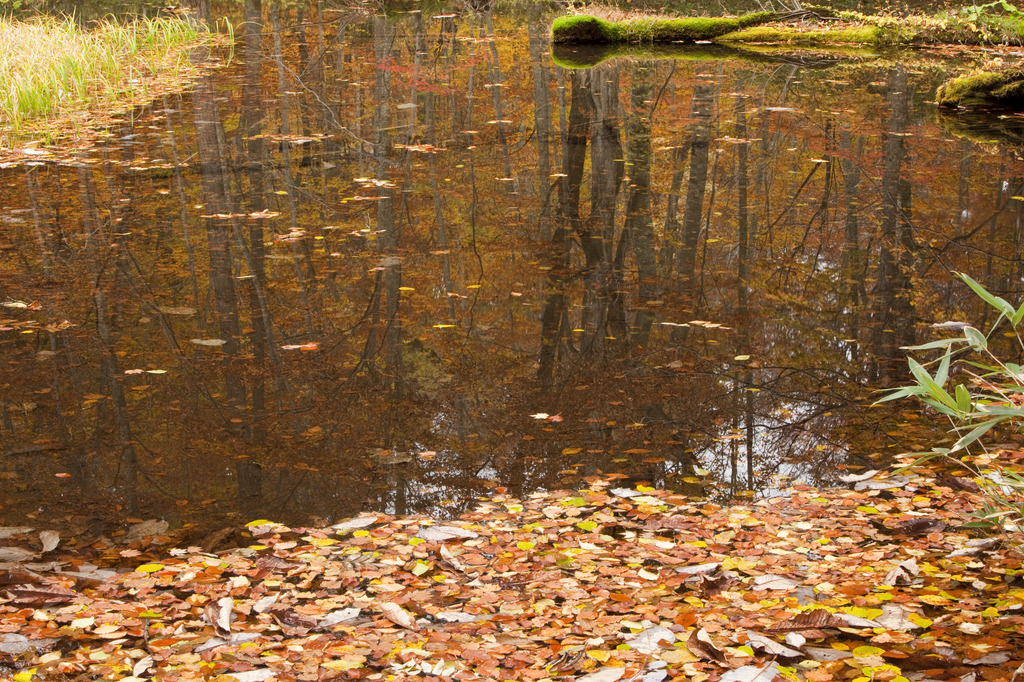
595, 584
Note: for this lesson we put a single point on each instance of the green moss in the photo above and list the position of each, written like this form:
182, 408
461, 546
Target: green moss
864, 35
982, 88
584, 28
587, 56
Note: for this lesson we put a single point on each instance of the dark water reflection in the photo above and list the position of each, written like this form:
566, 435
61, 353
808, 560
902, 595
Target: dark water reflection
352, 270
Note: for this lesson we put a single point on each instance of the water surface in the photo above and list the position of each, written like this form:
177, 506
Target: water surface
396, 263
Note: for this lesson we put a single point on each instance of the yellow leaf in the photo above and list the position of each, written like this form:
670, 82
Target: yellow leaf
934, 600
323, 542
149, 568
863, 612
525, 545
677, 656
571, 451
865, 651
867, 510
599, 655
919, 620
341, 664
736, 564
260, 522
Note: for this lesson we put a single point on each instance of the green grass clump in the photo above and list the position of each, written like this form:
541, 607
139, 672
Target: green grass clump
983, 87
51, 67
585, 28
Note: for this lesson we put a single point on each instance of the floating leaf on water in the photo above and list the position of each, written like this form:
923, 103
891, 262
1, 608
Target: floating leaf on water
176, 310
208, 342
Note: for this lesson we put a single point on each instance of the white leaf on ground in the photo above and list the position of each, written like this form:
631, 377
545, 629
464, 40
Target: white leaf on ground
857, 478
903, 574
856, 621
50, 540
356, 523
773, 582
14, 644
455, 617
397, 615
752, 673
89, 571
339, 616
603, 675
825, 654
883, 484
11, 531
795, 639
770, 646
442, 533
650, 640
697, 569
16, 554
176, 310
141, 666
895, 618
214, 642
625, 492
208, 342
263, 605
257, 675
994, 658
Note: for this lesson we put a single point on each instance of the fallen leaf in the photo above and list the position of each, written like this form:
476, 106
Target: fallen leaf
399, 616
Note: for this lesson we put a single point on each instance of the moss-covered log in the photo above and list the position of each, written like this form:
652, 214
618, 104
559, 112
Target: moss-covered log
584, 28
982, 88
845, 28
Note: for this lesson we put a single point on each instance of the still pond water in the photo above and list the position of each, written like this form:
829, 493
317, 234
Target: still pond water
398, 263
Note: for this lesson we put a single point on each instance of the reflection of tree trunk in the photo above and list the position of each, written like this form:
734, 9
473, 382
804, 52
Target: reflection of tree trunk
743, 280
218, 230
46, 250
638, 227
300, 247
597, 232
179, 187
110, 369
383, 40
894, 315
553, 314
700, 134
853, 254
541, 98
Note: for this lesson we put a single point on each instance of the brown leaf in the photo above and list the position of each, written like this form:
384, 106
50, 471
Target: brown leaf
919, 526
700, 645
293, 623
43, 594
957, 483
812, 620
399, 616
219, 615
